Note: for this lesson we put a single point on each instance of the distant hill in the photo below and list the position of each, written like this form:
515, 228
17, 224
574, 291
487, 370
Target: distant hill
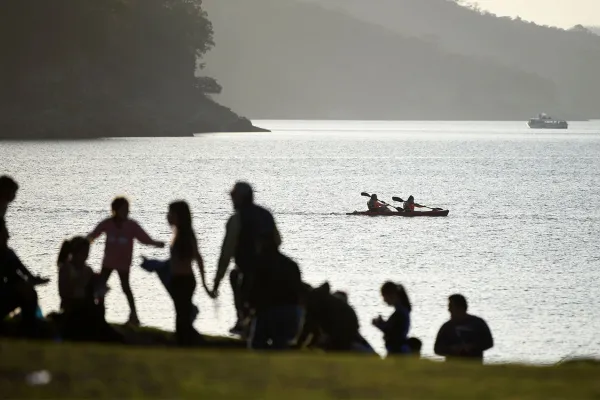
571, 60
594, 29
293, 59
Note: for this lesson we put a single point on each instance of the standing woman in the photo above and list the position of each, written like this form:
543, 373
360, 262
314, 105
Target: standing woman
120, 233
395, 329
184, 251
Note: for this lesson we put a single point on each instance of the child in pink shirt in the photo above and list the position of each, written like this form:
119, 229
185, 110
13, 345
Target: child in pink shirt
120, 233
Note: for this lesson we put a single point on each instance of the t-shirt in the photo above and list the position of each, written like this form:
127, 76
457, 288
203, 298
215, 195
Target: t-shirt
470, 330
119, 242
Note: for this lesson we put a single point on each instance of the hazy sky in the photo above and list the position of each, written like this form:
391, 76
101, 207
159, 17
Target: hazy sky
563, 13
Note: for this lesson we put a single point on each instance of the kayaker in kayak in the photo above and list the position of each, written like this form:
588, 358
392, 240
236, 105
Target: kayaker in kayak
376, 205
409, 204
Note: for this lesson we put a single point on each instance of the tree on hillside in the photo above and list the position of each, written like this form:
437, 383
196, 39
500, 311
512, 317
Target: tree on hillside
88, 66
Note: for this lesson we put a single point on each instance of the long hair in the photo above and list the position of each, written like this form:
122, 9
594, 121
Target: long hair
397, 289
70, 247
185, 239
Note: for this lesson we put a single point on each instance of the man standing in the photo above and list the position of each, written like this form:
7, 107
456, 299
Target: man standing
250, 234
464, 336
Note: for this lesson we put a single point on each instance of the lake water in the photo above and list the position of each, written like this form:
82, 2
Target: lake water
521, 240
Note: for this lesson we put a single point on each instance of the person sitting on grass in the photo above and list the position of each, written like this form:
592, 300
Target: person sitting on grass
395, 329
120, 233
81, 292
17, 286
464, 336
184, 254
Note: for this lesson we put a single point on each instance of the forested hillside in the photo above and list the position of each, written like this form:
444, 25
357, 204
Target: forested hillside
89, 68
290, 59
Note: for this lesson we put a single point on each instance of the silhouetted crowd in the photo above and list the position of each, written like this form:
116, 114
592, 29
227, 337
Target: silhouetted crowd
276, 310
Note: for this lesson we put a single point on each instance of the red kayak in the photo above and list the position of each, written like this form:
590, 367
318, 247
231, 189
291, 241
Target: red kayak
432, 213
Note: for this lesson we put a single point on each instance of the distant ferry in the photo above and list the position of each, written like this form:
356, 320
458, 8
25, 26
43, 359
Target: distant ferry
544, 121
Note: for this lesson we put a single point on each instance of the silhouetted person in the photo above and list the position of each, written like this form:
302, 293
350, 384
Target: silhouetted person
184, 252
409, 204
395, 329
120, 234
330, 322
464, 336
360, 343
274, 299
249, 232
8, 193
374, 205
81, 292
17, 286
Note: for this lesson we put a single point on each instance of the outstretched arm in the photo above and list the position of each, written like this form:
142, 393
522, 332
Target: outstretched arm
228, 249
99, 230
143, 237
22, 269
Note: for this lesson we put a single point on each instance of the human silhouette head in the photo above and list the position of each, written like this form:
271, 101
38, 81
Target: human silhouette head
457, 306
394, 294
75, 250
373, 196
242, 195
8, 193
415, 346
120, 208
341, 295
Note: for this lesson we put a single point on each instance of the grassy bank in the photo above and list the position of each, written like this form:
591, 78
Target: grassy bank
84, 371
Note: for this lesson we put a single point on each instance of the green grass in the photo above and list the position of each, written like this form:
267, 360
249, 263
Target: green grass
96, 371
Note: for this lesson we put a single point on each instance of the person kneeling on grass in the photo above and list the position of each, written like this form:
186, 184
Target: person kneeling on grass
81, 293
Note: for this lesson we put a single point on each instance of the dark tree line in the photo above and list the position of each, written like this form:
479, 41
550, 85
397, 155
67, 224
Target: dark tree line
87, 68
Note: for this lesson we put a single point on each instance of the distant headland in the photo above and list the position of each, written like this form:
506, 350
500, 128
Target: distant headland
86, 69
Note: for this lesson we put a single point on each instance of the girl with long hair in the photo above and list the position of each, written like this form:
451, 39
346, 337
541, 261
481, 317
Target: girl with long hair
395, 328
184, 252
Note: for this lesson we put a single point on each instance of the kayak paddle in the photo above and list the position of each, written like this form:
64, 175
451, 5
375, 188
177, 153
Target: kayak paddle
418, 205
365, 194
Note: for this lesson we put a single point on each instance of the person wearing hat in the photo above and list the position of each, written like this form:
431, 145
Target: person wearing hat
250, 233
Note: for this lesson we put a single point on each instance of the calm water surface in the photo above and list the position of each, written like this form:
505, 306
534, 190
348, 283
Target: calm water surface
521, 241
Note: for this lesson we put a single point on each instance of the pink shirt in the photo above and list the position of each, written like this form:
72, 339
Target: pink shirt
119, 242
